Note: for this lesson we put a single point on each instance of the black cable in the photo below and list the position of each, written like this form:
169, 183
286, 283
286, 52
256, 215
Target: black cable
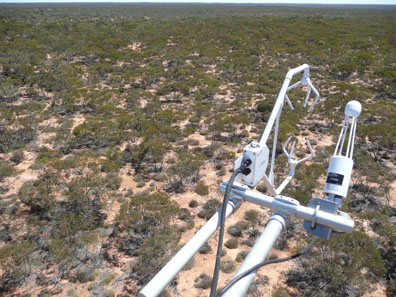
242, 169
255, 267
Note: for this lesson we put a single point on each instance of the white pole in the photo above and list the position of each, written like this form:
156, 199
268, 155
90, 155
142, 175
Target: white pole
271, 174
168, 272
257, 255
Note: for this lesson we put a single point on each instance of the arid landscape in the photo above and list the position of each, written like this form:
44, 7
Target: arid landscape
118, 123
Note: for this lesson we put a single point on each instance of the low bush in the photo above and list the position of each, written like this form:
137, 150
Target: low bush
244, 225
149, 234
348, 262
232, 243
5, 170
17, 157
204, 281
209, 209
235, 231
201, 189
280, 292
193, 204
205, 249
241, 256
13, 140
252, 216
227, 266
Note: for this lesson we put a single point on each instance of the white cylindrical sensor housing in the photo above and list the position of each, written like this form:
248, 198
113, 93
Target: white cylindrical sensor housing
338, 176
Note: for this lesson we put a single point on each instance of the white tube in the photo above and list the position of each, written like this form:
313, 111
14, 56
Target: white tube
353, 139
350, 137
343, 138
168, 272
339, 137
316, 96
257, 255
273, 153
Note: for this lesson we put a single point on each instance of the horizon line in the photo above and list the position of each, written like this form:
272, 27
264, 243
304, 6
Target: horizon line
193, 2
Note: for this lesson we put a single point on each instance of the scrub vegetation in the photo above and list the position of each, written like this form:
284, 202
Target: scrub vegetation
119, 121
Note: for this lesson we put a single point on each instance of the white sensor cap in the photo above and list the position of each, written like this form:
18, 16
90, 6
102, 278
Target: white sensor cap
353, 109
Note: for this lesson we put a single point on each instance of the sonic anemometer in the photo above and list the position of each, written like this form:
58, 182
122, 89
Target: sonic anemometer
322, 216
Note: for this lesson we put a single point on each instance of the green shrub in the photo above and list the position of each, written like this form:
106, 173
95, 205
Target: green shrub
204, 281
13, 140
113, 181
140, 184
205, 249
280, 292
252, 216
340, 263
235, 231
193, 204
241, 256
227, 266
138, 178
201, 189
209, 209
107, 280
244, 225
109, 166
232, 243
85, 276
17, 157
158, 238
5, 170
46, 155
39, 195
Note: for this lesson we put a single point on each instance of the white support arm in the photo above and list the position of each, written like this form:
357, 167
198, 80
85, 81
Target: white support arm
311, 87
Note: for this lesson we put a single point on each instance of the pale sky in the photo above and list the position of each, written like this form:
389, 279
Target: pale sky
391, 2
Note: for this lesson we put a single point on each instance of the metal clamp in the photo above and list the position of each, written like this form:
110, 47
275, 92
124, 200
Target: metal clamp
313, 222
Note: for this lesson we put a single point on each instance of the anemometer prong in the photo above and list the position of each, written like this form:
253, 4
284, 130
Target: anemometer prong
289, 102
288, 155
293, 163
311, 88
305, 81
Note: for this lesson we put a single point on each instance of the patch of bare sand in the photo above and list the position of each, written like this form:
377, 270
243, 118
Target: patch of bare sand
78, 119
203, 142
392, 194
14, 183
379, 291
